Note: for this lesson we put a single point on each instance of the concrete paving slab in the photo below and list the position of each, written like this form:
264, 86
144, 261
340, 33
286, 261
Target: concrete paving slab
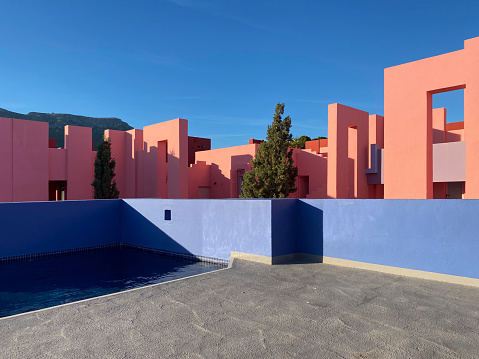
259, 311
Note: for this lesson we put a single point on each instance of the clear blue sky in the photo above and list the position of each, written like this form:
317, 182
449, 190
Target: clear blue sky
221, 64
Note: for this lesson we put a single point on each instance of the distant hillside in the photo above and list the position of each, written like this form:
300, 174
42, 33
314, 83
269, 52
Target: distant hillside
57, 121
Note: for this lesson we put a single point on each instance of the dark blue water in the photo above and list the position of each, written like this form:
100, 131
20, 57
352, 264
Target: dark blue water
50, 281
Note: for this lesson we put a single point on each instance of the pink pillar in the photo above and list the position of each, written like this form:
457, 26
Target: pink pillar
376, 130
175, 133
162, 169
57, 164
30, 161
79, 162
133, 145
118, 144
6, 159
439, 125
141, 175
471, 117
343, 157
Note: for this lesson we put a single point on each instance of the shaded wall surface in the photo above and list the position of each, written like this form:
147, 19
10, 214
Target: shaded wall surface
39, 227
430, 235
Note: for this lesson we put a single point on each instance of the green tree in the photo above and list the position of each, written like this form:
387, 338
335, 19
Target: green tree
299, 142
272, 174
104, 183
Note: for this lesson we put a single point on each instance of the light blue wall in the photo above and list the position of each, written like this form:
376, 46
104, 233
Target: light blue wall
431, 235
38, 227
210, 228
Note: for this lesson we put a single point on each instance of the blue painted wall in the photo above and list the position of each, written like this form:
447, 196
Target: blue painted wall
431, 235
310, 227
210, 228
38, 227
285, 230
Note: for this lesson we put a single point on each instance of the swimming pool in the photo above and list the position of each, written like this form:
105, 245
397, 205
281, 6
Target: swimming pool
48, 281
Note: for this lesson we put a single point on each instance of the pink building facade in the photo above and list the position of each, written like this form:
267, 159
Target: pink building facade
409, 153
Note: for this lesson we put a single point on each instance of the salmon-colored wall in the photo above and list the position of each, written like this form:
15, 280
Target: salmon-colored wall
57, 164
198, 176
133, 145
455, 136
79, 162
156, 182
471, 119
323, 147
6, 159
223, 161
376, 130
455, 131
142, 176
313, 165
344, 158
312, 145
439, 117
118, 153
30, 161
408, 91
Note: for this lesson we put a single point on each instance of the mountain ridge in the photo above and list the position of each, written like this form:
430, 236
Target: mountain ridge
57, 121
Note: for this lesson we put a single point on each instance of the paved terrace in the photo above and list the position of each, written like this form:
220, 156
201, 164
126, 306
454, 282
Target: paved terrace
256, 311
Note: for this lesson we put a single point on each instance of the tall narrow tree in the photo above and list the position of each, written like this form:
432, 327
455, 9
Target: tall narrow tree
104, 183
272, 174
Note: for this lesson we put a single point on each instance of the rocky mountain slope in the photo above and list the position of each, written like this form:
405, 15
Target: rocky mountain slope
57, 121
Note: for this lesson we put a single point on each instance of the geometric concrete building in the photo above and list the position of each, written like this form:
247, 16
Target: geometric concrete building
408, 90
410, 153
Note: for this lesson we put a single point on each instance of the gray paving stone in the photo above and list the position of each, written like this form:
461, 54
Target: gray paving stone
259, 311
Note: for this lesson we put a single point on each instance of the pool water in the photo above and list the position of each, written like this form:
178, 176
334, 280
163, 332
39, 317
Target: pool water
48, 281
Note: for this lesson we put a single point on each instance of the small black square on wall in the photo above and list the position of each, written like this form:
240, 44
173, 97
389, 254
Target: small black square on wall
167, 214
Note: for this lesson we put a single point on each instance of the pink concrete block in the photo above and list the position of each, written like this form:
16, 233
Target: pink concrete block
118, 153
312, 145
80, 165
175, 133
439, 125
225, 164
199, 179
133, 144
312, 174
30, 161
57, 164
348, 132
6, 159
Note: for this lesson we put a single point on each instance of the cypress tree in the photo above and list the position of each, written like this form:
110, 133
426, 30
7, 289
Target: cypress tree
273, 174
104, 184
